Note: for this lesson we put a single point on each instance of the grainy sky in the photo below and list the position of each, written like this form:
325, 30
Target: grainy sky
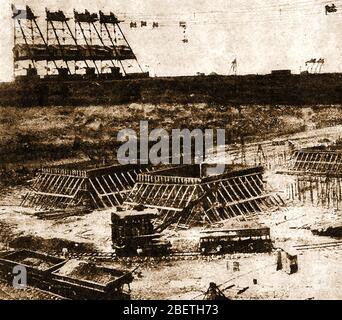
261, 34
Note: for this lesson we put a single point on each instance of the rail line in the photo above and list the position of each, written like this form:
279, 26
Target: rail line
189, 255
318, 245
109, 256
27, 293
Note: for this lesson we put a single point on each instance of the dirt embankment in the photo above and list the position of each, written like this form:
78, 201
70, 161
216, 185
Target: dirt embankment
230, 90
31, 137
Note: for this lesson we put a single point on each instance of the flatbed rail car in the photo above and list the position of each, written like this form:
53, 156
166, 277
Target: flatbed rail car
244, 240
72, 279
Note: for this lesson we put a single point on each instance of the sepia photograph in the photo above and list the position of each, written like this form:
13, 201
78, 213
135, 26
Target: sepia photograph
174, 150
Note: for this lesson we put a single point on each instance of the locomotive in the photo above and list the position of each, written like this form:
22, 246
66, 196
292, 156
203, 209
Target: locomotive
133, 234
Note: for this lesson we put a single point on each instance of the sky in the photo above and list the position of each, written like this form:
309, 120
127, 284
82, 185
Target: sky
261, 34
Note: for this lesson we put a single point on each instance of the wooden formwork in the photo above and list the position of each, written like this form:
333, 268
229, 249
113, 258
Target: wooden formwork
316, 190
57, 188
184, 200
318, 177
317, 162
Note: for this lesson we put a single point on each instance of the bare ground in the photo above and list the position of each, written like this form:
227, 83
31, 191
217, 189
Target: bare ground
319, 275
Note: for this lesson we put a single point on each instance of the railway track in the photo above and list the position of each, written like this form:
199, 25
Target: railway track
173, 256
108, 256
322, 245
42, 295
28, 293
191, 255
176, 256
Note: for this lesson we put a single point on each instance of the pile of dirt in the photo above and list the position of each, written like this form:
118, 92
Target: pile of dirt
85, 271
49, 245
333, 229
37, 263
77, 233
6, 234
13, 177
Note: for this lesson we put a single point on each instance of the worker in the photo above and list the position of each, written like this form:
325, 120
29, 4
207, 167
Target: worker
279, 260
139, 251
250, 247
219, 248
293, 264
236, 266
65, 253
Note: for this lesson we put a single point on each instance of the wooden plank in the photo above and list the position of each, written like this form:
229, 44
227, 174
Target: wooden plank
117, 178
130, 176
97, 193
275, 202
53, 194
216, 213
231, 199
156, 194
116, 188
249, 193
161, 199
191, 196
238, 197
136, 188
176, 196
145, 188
148, 196
104, 194
118, 202
154, 206
184, 195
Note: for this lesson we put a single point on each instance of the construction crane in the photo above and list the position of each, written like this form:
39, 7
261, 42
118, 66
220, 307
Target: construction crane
86, 38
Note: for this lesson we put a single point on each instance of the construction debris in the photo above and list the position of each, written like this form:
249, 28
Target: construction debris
317, 161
